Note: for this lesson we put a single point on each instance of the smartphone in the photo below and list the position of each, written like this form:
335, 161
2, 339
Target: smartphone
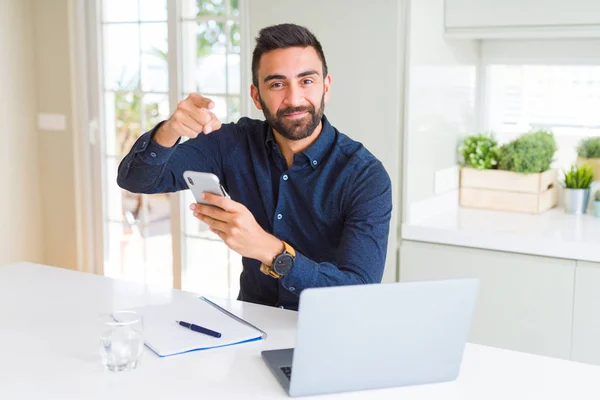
200, 182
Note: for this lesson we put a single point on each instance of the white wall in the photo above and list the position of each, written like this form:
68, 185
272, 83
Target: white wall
20, 198
363, 46
37, 205
440, 100
56, 148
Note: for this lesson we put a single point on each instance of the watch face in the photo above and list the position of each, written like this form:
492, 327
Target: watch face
283, 264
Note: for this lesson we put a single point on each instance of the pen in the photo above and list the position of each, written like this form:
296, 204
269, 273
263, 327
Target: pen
197, 328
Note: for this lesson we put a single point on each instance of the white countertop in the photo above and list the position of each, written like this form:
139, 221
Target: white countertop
50, 349
553, 233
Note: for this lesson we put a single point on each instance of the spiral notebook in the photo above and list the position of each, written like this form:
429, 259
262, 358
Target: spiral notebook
166, 338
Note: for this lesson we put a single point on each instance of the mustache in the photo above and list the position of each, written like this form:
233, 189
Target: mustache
291, 110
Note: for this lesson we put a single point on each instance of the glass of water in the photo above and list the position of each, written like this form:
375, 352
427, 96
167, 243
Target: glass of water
121, 340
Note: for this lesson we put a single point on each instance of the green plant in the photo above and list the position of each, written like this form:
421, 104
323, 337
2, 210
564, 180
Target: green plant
597, 195
479, 151
579, 177
531, 152
589, 147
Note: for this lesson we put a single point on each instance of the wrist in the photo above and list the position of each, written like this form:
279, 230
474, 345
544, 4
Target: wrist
164, 136
272, 248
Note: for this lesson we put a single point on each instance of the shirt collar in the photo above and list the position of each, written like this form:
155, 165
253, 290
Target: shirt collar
317, 151
270, 140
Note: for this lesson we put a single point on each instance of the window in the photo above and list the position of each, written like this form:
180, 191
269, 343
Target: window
526, 88
137, 229
210, 36
135, 94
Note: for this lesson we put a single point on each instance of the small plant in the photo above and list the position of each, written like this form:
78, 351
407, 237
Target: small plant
479, 151
589, 147
531, 152
579, 177
597, 195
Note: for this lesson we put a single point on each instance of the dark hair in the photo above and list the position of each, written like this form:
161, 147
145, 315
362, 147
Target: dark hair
281, 37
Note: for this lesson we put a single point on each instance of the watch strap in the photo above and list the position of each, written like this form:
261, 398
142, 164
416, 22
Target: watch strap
289, 249
265, 269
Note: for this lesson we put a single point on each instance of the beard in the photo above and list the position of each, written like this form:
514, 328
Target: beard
296, 129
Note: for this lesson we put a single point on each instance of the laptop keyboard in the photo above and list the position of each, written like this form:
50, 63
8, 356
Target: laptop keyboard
287, 371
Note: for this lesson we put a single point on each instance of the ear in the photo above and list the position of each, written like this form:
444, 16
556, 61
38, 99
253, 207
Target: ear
326, 86
255, 96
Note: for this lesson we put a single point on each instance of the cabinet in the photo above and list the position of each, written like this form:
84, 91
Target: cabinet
586, 314
522, 18
525, 302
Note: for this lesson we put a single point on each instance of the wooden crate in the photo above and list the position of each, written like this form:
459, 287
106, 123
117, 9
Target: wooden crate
592, 162
508, 191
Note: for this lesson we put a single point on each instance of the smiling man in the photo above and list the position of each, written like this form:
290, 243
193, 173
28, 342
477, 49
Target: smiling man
309, 206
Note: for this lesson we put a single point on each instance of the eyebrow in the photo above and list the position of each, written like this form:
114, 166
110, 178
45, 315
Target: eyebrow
300, 75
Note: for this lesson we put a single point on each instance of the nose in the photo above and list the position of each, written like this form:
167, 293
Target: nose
294, 97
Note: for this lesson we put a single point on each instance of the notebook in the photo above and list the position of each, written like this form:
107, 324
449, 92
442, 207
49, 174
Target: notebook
166, 338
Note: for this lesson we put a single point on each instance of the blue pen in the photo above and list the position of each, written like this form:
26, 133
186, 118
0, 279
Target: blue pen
197, 328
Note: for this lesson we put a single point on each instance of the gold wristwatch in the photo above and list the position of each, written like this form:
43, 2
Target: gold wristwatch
282, 263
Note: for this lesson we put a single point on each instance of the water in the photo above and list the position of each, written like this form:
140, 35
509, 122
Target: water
121, 348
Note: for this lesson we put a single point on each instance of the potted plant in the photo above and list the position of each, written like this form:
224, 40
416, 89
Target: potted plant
588, 152
479, 151
514, 177
597, 204
577, 188
530, 153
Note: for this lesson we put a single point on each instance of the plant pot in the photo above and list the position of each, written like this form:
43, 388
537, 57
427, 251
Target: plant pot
493, 189
597, 209
576, 200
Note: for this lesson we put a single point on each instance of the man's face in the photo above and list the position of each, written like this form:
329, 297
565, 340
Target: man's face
292, 91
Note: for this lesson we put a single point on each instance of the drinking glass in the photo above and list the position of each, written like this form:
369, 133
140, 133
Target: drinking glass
121, 340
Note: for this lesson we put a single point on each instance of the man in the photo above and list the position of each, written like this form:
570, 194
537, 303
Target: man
309, 206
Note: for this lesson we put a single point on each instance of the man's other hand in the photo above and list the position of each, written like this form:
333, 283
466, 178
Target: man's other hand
236, 225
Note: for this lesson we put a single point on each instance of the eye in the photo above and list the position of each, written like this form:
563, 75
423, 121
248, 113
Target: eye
276, 85
307, 81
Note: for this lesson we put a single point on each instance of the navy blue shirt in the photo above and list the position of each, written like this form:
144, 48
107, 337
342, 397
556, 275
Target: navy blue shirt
333, 206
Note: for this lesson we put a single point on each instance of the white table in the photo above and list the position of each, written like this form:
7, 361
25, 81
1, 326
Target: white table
49, 349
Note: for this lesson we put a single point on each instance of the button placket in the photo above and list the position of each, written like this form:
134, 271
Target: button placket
278, 215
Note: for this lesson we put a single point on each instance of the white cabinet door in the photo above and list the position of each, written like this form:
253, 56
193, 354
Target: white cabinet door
535, 15
586, 315
525, 302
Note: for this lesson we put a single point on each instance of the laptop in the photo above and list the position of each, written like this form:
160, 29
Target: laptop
352, 338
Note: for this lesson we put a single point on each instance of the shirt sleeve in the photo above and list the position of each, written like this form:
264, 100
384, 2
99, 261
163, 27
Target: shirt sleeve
152, 168
363, 248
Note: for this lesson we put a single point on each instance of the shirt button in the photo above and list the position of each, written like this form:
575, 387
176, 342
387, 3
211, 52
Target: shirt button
292, 288
153, 154
285, 177
314, 162
279, 216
